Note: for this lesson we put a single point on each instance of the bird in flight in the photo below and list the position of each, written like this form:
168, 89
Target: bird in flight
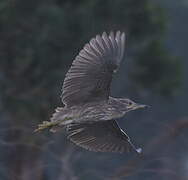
89, 112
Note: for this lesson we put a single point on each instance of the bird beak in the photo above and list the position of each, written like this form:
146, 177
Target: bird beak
138, 106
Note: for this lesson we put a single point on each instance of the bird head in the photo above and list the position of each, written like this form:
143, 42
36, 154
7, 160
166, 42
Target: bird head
129, 105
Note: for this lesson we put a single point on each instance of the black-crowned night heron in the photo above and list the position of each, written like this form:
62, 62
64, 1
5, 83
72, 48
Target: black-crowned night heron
89, 112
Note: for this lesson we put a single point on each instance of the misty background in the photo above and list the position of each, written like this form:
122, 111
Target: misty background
39, 39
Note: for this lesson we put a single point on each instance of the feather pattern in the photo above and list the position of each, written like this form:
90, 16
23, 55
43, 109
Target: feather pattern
90, 75
101, 136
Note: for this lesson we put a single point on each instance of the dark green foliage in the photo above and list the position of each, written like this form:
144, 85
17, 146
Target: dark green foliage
157, 70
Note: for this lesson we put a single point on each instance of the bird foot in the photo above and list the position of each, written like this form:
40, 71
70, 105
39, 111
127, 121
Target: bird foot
44, 125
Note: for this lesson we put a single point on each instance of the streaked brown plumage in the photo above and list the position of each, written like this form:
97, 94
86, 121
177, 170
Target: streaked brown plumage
89, 111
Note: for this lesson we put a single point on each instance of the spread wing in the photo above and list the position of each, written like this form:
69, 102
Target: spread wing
90, 75
101, 136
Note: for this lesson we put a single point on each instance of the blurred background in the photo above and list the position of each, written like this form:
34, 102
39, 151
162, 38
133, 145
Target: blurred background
38, 41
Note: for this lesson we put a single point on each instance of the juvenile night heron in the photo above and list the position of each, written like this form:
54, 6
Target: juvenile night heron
89, 110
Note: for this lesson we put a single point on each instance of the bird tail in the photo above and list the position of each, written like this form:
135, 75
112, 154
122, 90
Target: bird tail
55, 118
57, 114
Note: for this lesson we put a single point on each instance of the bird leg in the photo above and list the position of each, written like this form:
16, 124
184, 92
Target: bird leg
49, 124
45, 124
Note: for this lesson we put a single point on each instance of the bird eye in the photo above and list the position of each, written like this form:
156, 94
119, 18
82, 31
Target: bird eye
129, 103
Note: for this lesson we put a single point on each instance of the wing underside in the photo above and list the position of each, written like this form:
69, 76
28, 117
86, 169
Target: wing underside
102, 136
